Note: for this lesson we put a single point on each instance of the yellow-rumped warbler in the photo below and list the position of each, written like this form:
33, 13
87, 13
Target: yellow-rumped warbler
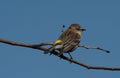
69, 40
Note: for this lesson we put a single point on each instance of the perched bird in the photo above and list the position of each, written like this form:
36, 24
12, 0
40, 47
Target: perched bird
68, 41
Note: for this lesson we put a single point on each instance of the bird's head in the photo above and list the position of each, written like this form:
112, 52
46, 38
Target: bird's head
77, 28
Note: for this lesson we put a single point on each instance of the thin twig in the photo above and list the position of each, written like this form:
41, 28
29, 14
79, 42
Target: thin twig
21, 44
93, 47
61, 56
43, 44
63, 28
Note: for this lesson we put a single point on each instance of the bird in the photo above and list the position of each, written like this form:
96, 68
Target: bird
68, 41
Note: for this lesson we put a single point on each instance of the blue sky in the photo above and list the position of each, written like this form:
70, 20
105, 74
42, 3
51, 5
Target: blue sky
36, 21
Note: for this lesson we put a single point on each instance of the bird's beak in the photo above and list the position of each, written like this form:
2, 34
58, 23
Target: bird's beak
83, 29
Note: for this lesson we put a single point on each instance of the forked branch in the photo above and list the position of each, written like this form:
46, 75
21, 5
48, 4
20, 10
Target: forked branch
39, 47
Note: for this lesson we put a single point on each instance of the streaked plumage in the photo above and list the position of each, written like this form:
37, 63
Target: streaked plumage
69, 40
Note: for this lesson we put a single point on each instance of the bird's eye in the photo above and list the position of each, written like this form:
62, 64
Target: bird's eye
77, 28
69, 27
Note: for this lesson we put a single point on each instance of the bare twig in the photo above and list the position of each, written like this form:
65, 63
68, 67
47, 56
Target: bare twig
93, 47
43, 44
21, 44
55, 53
63, 28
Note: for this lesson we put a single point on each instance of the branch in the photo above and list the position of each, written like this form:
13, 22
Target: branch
98, 48
21, 44
56, 53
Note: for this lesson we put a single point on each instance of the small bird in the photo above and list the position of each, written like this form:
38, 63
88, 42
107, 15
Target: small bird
68, 41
